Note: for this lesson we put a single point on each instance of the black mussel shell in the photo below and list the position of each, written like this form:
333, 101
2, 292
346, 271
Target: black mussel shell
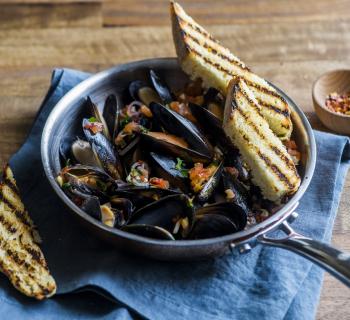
65, 151
105, 152
164, 167
141, 91
125, 208
230, 210
211, 185
91, 206
240, 193
232, 159
111, 114
142, 196
94, 111
214, 102
77, 178
167, 213
179, 126
148, 231
162, 146
161, 88
212, 126
211, 226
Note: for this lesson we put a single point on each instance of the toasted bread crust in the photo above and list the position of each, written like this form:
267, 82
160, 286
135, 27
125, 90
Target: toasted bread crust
272, 168
21, 259
200, 55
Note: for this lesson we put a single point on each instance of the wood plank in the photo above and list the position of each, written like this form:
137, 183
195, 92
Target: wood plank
156, 12
50, 15
305, 42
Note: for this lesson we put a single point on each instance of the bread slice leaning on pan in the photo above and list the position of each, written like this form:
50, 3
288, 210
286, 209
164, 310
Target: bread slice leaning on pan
201, 56
21, 258
272, 168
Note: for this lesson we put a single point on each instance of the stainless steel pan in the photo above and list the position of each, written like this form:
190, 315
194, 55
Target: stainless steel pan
66, 118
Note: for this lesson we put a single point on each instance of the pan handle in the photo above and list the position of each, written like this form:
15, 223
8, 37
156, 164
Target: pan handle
332, 260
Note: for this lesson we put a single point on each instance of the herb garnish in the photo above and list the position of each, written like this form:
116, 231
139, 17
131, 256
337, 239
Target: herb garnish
180, 166
92, 120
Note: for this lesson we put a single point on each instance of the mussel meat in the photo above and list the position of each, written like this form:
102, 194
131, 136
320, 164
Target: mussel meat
141, 91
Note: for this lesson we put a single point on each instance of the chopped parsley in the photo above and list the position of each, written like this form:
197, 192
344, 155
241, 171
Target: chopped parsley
66, 186
180, 166
125, 121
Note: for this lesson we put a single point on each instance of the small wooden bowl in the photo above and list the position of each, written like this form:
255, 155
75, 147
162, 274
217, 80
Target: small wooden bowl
333, 81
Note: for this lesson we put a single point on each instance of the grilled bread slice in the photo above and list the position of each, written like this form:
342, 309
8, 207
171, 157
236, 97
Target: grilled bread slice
201, 56
272, 168
21, 259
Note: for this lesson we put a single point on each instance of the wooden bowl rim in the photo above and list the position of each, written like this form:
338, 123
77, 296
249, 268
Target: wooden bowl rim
315, 97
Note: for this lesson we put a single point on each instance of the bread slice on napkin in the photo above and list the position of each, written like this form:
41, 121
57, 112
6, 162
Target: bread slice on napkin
272, 168
21, 259
202, 56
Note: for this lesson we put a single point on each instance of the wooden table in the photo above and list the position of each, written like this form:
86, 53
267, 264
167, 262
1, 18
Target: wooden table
289, 43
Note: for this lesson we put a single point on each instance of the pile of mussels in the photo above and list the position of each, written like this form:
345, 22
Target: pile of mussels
160, 165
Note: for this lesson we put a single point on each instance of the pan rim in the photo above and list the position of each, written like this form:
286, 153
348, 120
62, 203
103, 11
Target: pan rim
242, 236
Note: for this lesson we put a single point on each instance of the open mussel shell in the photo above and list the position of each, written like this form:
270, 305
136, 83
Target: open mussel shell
236, 191
141, 91
94, 111
87, 180
230, 210
110, 114
211, 125
158, 143
211, 226
164, 167
105, 152
179, 126
161, 88
217, 220
210, 186
142, 196
148, 231
173, 213
214, 102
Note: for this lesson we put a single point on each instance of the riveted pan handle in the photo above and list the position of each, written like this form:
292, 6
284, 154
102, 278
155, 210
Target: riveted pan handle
332, 260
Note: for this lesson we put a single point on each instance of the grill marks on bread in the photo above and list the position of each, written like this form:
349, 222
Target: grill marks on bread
273, 170
202, 56
21, 259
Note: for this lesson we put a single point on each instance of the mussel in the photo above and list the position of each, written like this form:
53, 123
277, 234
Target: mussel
214, 102
141, 91
217, 220
73, 151
235, 190
111, 115
97, 116
161, 88
173, 213
204, 181
212, 126
80, 181
179, 126
103, 149
142, 196
171, 170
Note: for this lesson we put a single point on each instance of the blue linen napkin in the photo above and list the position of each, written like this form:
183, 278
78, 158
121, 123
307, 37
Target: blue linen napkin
96, 281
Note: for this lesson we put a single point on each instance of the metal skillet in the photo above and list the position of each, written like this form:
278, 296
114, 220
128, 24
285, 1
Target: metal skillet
65, 119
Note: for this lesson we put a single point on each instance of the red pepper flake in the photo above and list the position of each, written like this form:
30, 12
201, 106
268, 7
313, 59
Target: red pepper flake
339, 103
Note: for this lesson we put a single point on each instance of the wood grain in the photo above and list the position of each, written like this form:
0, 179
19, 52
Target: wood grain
292, 49
50, 15
156, 12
